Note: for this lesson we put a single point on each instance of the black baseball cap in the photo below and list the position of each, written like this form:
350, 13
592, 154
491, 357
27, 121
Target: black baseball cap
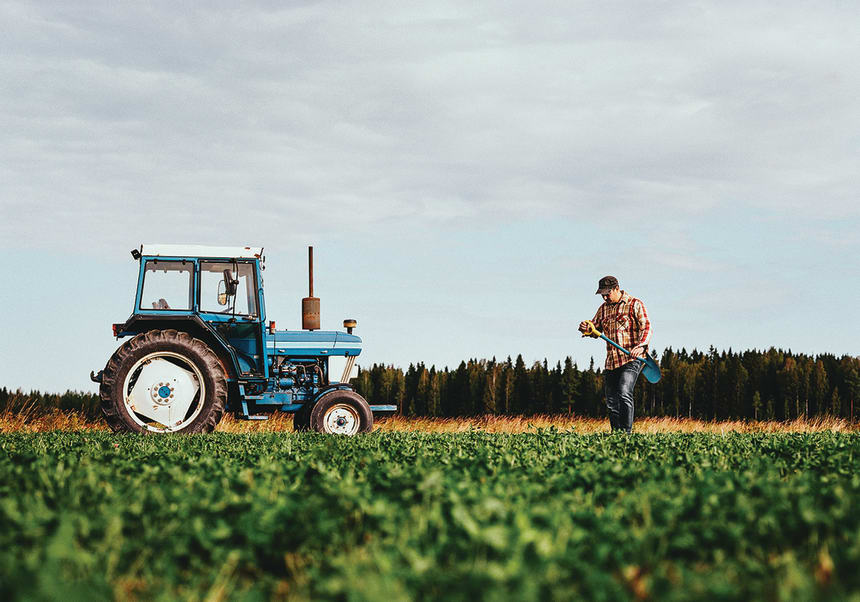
606, 284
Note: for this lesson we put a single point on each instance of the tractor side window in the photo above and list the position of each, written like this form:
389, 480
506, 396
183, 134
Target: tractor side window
212, 275
166, 285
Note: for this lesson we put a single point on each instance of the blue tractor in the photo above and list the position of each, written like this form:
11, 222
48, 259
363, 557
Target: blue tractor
199, 345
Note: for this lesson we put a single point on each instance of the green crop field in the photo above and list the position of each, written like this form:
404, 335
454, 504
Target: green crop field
404, 516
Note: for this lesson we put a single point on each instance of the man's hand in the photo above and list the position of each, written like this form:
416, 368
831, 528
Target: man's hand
585, 327
638, 351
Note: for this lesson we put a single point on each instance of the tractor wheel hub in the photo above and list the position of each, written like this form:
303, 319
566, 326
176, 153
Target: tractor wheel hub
341, 419
162, 393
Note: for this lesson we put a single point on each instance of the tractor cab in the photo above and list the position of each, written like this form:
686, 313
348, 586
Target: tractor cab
220, 286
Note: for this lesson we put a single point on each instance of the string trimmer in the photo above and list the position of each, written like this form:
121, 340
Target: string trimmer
651, 370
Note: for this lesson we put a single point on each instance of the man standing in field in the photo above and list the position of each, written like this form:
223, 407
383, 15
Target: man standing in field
623, 319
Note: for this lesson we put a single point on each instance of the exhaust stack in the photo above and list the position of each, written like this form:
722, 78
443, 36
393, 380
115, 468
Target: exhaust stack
311, 304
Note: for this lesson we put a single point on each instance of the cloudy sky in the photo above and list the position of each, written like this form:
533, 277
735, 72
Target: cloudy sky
465, 171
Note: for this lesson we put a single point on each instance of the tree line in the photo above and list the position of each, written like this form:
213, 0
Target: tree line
760, 385
19, 402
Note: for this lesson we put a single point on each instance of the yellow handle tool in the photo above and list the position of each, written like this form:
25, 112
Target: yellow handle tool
592, 330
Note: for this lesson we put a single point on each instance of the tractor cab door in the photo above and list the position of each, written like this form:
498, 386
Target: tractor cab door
228, 301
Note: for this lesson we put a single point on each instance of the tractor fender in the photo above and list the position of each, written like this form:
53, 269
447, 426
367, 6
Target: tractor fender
194, 326
329, 388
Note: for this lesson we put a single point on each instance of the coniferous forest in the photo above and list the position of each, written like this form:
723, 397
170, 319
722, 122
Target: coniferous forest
760, 385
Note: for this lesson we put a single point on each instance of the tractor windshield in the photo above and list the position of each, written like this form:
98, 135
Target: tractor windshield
166, 285
212, 275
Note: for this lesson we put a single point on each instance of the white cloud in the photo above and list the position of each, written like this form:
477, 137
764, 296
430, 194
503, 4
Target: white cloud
186, 119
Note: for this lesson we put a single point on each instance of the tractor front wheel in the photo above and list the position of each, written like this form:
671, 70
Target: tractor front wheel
163, 381
341, 413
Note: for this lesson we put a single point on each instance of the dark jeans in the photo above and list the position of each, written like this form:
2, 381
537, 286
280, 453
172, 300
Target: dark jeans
618, 386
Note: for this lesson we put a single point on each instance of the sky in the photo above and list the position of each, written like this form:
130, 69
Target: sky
466, 172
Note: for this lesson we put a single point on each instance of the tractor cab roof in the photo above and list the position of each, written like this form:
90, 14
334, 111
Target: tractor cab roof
201, 251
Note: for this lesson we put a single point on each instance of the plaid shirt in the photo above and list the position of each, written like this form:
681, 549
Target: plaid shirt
626, 323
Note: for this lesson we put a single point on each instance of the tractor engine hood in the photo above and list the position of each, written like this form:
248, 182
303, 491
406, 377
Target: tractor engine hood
312, 343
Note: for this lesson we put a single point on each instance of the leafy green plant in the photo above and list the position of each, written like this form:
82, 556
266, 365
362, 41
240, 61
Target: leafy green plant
396, 515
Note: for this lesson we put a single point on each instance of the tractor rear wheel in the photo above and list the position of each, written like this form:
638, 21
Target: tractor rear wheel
163, 381
341, 412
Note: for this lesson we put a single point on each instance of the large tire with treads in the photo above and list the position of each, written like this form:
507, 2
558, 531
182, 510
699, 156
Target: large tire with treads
341, 412
163, 381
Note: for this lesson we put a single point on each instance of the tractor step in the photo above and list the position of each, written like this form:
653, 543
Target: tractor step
244, 414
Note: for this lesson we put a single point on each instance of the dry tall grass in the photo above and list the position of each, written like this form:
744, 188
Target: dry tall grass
36, 421
522, 424
30, 419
